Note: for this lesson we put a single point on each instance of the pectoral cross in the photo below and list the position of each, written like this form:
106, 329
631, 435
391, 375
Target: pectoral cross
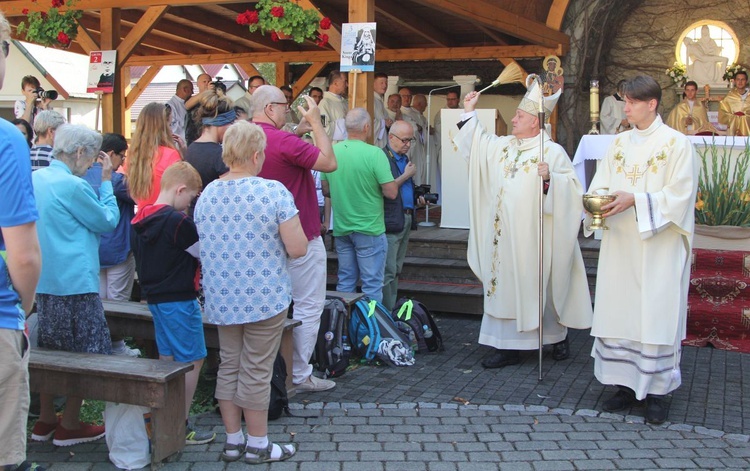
634, 175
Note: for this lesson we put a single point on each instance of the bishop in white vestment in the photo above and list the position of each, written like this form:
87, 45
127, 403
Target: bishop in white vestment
644, 264
503, 252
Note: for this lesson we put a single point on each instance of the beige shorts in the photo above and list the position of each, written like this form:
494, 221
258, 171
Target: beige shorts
14, 395
247, 355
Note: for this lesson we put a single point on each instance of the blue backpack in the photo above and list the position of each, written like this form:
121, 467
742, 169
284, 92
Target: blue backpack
369, 326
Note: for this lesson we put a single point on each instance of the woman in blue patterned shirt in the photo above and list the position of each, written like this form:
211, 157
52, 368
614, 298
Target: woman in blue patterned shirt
248, 227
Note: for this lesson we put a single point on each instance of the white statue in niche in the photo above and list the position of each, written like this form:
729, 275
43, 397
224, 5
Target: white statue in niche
706, 65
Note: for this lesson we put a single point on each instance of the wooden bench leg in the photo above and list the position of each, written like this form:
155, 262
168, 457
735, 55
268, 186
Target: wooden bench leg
168, 423
287, 352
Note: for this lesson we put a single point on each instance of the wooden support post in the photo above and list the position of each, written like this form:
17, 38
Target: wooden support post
113, 104
362, 11
282, 74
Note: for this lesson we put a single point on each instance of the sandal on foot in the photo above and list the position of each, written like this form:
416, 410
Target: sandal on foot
263, 455
229, 447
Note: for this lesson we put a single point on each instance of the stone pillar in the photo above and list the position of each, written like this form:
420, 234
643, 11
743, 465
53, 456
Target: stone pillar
468, 84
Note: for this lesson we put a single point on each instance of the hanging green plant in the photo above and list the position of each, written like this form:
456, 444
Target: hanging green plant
51, 27
285, 19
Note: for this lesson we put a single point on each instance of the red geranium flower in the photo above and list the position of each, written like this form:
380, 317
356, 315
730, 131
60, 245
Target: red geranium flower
57, 3
274, 36
44, 15
243, 18
25, 11
63, 38
325, 23
278, 12
252, 17
322, 40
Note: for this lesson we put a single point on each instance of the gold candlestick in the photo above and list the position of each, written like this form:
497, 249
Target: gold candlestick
594, 107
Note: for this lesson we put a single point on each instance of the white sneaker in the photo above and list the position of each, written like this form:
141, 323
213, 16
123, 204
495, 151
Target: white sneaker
122, 349
315, 384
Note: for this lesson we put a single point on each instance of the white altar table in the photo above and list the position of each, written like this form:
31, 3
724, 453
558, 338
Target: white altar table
594, 147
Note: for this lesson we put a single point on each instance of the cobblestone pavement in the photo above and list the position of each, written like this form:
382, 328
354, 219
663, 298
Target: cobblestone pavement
448, 413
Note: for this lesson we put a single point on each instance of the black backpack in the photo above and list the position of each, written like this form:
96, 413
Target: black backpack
332, 349
424, 330
279, 402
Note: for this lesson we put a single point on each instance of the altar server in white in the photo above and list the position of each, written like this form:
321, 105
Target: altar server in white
644, 264
612, 117
503, 247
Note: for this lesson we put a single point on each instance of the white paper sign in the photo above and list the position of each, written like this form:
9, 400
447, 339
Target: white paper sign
358, 46
102, 71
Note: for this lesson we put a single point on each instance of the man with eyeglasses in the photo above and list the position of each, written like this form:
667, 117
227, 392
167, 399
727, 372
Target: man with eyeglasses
20, 265
507, 180
409, 113
289, 160
253, 83
399, 212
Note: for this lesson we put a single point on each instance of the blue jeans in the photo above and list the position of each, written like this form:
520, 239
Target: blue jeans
362, 256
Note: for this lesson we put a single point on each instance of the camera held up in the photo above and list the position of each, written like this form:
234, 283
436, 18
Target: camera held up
41, 94
219, 85
424, 192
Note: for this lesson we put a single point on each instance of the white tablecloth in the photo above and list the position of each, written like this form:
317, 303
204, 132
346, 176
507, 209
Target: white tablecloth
595, 147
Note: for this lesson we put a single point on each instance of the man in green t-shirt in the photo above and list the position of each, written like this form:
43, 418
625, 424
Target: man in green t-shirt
357, 188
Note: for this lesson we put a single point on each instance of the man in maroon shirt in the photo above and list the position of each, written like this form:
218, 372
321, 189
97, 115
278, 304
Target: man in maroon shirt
289, 160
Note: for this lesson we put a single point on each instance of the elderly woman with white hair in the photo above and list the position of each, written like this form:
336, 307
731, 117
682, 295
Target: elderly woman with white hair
71, 217
248, 226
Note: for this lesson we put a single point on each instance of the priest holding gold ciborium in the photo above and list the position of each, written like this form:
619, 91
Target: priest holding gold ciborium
640, 310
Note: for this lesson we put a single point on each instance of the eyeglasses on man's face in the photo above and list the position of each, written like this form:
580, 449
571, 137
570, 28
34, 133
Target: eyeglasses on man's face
6, 48
284, 104
405, 141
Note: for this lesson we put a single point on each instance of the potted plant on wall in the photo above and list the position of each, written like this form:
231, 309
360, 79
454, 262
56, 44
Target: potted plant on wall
286, 19
722, 208
52, 27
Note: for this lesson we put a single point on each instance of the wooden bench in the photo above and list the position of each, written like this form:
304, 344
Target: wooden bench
157, 384
132, 319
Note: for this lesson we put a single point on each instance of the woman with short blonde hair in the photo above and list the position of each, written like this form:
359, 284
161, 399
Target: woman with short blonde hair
248, 226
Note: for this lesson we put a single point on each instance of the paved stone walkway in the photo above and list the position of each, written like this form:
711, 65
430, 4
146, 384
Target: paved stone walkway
448, 413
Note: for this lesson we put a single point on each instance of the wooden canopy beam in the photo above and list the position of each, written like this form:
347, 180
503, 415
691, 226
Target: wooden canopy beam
85, 40
144, 25
334, 35
213, 18
557, 13
386, 55
410, 22
139, 87
487, 13
152, 44
16, 7
310, 74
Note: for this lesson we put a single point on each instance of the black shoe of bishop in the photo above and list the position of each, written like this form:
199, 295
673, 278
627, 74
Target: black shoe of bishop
624, 398
502, 358
656, 410
561, 350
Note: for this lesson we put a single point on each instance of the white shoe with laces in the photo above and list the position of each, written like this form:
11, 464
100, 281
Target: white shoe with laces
315, 384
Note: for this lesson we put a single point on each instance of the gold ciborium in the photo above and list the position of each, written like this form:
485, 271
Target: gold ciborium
593, 204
